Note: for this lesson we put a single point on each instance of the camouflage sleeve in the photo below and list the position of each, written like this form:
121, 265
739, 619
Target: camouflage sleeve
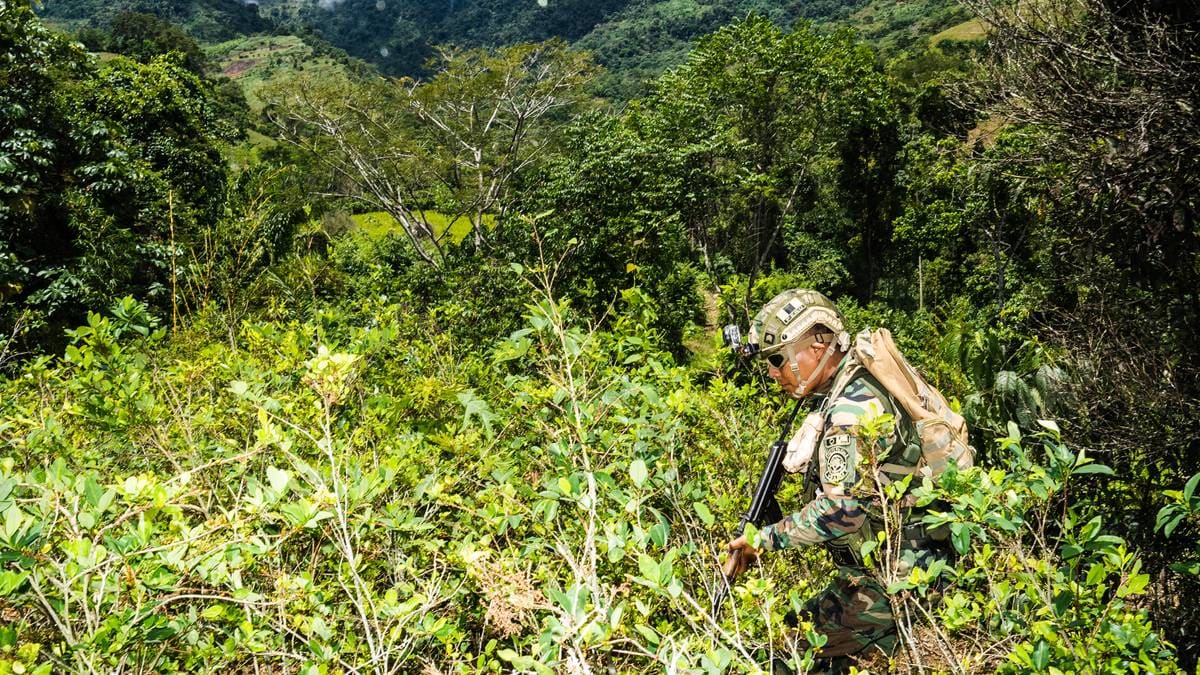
823, 519
835, 512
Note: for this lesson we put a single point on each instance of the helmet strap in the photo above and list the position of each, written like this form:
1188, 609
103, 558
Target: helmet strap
802, 384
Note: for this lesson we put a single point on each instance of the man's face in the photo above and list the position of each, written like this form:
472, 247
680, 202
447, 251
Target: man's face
806, 360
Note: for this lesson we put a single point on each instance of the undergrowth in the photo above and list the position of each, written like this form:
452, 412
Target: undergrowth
353, 492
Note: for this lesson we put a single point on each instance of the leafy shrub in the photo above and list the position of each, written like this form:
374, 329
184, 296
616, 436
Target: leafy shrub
358, 492
365, 506
1041, 587
1183, 507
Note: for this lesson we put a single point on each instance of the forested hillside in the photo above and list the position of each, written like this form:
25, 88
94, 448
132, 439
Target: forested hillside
634, 40
203, 19
309, 368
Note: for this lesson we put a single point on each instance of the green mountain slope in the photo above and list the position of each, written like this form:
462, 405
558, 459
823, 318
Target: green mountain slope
634, 39
897, 24
399, 36
646, 38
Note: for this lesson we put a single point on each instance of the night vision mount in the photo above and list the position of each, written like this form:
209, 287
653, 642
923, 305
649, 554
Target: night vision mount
732, 336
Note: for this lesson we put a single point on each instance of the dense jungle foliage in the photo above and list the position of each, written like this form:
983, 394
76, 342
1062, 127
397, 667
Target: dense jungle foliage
400, 375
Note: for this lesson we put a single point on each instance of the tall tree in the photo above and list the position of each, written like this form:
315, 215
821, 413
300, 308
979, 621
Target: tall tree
456, 143
106, 170
1098, 103
144, 36
797, 132
1115, 85
492, 115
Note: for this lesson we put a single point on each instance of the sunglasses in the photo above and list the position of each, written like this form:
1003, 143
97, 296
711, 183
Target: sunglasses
780, 357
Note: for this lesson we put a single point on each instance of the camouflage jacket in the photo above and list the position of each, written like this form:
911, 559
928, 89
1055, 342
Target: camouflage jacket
842, 507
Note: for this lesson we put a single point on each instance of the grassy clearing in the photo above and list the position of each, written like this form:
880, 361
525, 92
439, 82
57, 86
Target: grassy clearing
258, 61
967, 30
248, 152
378, 224
986, 132
895, 24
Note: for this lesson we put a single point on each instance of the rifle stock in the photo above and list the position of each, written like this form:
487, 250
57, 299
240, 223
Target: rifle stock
764, 508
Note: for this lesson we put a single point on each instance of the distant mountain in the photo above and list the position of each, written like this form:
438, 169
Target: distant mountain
624, 34
399, 35
634, 39
642, 40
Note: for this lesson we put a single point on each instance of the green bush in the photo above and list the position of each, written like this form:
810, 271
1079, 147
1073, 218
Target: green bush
358, 492
1040, 578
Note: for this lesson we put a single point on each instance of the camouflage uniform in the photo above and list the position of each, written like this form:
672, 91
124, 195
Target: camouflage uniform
854, 611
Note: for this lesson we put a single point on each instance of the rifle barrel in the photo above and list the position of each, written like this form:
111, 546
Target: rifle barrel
763, 505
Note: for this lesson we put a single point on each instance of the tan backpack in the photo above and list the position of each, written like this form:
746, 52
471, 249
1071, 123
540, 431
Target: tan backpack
943, 432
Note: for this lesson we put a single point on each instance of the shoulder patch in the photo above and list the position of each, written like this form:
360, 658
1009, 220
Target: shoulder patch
835, 458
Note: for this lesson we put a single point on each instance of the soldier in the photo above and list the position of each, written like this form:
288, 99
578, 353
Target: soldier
802, 337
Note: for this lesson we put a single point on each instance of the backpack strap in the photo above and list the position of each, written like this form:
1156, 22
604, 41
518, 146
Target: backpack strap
906, 433
906, 437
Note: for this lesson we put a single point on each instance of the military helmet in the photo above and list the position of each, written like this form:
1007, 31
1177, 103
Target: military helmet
791, 314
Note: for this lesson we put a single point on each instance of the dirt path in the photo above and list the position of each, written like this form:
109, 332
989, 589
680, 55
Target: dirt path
240, 66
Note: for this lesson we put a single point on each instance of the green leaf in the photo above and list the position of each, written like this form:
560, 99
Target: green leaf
13, 520
1014, 432
1188, 490
1062, 602
278, 478
1051, 426
1136, 584
1104, 542
1172, 522
867, 548
92, 491
1093, 468
106, 500
666, 572
11, 581
960, 536
751, 533
1164, 514
659, 533
1040, 658
706, 516
213, 612
615, 553
638, 472
1192, 568
647, 632
649, 569
474, 406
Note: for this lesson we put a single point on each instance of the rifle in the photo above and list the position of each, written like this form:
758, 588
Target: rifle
764, 508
